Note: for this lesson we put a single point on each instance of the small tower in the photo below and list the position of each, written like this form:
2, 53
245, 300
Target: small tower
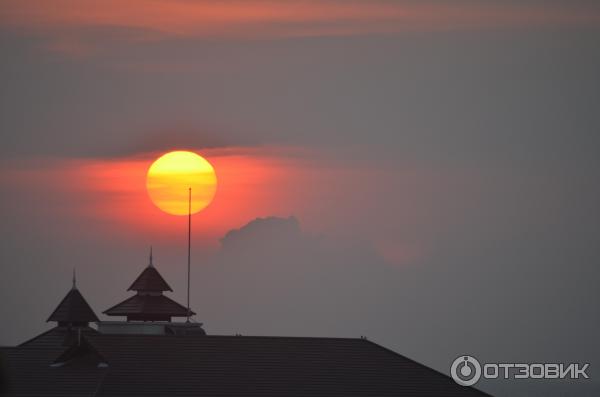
149, 303
73, 310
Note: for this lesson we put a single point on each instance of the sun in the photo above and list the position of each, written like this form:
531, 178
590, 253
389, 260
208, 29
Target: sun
171, 176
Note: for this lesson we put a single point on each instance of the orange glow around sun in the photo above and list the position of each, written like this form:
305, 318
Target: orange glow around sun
112, 193
169, 178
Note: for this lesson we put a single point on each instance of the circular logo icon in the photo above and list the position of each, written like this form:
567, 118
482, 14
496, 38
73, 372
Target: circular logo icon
465, 370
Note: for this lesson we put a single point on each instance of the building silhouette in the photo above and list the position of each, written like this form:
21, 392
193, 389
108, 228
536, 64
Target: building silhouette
149, 303
148, 354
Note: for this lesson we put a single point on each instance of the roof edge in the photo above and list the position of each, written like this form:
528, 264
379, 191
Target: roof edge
417, 363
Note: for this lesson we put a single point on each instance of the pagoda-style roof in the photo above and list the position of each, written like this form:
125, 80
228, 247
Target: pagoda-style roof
73, 309
151, 306
150, 280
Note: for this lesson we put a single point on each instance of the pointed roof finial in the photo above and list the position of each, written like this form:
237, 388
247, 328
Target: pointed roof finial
73, 309
150, 264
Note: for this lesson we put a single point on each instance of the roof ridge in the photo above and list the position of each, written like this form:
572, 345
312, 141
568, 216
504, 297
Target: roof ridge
240, 336
38, 336
413, 361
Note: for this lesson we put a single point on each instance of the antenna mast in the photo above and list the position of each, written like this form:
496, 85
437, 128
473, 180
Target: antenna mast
189, 249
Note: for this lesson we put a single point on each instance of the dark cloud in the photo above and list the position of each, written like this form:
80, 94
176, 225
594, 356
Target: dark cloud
283, 279
273, 231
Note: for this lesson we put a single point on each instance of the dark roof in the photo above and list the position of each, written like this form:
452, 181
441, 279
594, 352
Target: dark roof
56, 338
73, 308
146, 365
27, 369
148, 304
150, 280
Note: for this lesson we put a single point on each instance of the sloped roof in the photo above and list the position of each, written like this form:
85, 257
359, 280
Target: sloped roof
263, 366
148, 365
148, 304
73, 308
56, 338
150, 280
27, 371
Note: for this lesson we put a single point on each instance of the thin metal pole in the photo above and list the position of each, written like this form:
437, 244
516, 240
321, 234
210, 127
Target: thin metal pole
189, 249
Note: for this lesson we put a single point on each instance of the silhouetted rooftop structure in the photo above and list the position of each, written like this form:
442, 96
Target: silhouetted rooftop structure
73, 310
210, 365
149, 303
130, 358
148, 308
149, 280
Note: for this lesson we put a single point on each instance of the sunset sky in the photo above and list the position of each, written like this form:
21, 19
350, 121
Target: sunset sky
425, 173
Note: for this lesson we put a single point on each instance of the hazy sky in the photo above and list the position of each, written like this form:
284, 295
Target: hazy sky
440, 160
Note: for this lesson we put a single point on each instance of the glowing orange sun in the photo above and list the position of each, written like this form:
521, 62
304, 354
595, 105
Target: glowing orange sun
172, 175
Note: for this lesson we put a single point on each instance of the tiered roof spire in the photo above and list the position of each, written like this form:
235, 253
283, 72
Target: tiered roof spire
149, 303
